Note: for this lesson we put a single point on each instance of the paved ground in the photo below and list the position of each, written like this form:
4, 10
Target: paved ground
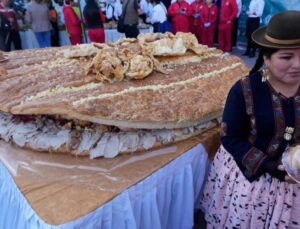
238, 51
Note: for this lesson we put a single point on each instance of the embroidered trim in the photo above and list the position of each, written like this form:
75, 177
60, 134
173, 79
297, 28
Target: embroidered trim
279, 124
247, 91
297, 118
252, 160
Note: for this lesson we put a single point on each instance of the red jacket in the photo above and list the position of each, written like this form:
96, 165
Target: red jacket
197, 7
228, 13
72, 21
180, 22
210, 14
10, 15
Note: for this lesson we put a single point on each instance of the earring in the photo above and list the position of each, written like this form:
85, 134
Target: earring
265, 74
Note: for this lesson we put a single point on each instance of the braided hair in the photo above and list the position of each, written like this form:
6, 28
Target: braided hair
263, 52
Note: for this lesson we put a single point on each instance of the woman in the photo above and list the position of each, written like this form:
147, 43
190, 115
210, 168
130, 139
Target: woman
94, 20
11, 16
256, 8
38, 15
195, 20
159, 17
247, 187
54, 24
209, 21
4, 31
113, 10
130, 18
180, 11
72, 22
228, 12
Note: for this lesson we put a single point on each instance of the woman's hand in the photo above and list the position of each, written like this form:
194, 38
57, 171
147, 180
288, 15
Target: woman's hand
287, 178
271, 167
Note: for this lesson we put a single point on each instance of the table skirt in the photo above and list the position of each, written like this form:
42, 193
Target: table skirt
165, 199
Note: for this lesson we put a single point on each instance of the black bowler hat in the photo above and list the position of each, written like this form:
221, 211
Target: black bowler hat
283, 31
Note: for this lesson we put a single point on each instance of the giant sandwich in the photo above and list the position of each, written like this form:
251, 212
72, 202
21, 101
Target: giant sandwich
106, 99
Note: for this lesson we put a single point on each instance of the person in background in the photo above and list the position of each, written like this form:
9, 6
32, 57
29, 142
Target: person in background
236, 23
256, 8
94, 20
13, 36
196, 18
131, 11
72, 22
113, 10
209, 21
54, 24
4, 31
38, 16
146, 9
150, 11
228, 14
166, 3
102, 5
247, 186
180, 12
158, 17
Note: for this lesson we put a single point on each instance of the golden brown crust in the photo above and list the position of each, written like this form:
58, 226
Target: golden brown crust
182, 96
179, 94
193, 89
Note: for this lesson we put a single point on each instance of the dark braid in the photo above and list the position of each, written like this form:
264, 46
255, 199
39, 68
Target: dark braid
264, 51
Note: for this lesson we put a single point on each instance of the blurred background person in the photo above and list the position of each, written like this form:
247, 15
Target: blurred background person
196, 18
256, 8
166, 3
236, 23
146, 10
228, 14
54, 24
159, 18
180, 12
4, 31
209, 22
72, 22
131, 11
13, 35
94, 20
113, 10
38, 16
102, 5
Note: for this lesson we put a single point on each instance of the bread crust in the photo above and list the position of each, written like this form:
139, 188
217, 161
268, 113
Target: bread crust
169, 92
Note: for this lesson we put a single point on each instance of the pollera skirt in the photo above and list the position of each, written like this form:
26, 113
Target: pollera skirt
230, 201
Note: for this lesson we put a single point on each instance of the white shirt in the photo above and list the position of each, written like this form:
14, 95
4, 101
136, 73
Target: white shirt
188, 1
239, 4
256, 8
158, 14
113, 9
144, 6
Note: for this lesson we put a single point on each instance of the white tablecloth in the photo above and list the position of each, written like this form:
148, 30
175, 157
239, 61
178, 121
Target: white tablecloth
29, 41
166, 199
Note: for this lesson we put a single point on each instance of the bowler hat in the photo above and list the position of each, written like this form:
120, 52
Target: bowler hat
283, 31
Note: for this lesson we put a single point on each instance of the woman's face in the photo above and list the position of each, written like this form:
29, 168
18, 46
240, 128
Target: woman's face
285, 65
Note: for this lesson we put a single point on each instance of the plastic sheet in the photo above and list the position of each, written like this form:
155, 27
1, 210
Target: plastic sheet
61, 188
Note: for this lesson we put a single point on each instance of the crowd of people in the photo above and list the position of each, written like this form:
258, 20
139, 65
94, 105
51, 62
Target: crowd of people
211, 21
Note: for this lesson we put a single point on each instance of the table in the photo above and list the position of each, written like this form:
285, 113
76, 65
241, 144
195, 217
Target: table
156, 189
29, 41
